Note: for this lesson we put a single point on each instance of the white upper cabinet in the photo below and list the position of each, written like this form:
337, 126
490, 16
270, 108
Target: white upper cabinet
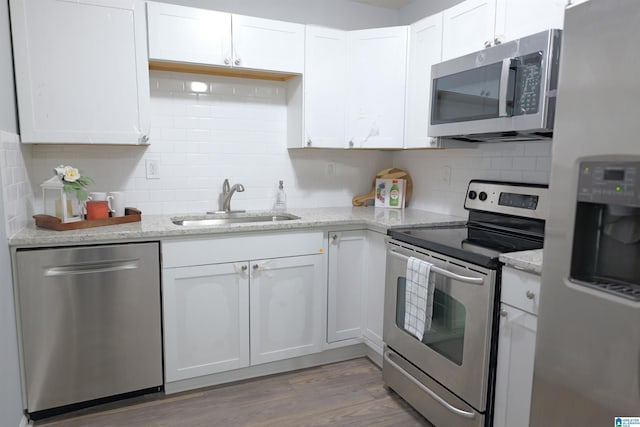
518, 18
467, 26
425, 49
265, 44
472, 25
325, 86
376, 67
186, 34
81, 71
190, 35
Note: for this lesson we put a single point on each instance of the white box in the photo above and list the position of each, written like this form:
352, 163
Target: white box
390, 193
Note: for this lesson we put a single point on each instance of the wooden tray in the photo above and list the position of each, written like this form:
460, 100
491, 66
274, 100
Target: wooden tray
54, 223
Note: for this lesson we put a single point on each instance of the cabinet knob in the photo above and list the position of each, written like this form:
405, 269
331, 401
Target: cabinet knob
334, 238
255, 266
227, 61
244, 268
351, 144
143, 139
530, 295
487, 44
237, 61
497, 40
308, 142
503, 313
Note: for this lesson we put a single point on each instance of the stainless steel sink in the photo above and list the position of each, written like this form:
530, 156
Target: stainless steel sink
224, 219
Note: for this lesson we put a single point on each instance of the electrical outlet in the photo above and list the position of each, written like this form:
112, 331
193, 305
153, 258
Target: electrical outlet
153, 168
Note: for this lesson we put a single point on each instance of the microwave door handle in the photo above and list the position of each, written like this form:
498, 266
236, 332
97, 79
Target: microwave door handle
504, 85
447, 273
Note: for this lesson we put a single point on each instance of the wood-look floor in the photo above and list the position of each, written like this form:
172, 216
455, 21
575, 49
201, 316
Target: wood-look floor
349, 393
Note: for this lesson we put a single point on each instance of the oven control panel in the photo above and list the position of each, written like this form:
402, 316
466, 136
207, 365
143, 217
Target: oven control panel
616, 183
525, 200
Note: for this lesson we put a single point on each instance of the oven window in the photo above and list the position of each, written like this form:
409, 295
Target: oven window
446, 335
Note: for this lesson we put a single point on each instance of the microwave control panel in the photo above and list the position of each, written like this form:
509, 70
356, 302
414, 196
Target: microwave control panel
615, 183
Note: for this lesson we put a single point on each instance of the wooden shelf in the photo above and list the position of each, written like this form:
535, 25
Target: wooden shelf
219, 71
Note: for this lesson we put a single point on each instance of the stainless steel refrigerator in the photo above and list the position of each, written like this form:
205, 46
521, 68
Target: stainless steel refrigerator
587, 362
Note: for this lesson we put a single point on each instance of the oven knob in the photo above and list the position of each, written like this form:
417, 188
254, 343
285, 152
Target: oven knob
473, 195
482, 196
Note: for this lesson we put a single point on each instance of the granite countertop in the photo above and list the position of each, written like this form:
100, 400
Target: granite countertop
160, 226
526, 260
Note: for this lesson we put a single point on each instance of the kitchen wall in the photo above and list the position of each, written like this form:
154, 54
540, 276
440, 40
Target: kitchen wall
235, 129
441, 177
343, 14
418, 9
10, 394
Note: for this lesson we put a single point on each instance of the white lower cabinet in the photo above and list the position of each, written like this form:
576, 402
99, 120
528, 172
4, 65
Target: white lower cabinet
516, 347
220, 316
357, 263
285, 307
206, 319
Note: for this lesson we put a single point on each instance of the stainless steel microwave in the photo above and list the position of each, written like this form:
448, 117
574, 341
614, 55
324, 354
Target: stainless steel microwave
503, 93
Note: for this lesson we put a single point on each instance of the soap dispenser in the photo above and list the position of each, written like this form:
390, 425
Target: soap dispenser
280, 203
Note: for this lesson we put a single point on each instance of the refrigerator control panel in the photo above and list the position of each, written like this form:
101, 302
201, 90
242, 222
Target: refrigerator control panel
613, 183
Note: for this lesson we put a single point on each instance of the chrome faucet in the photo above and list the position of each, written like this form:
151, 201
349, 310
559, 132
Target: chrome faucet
227, 192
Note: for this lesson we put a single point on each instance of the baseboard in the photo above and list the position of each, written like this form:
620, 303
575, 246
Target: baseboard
317, 359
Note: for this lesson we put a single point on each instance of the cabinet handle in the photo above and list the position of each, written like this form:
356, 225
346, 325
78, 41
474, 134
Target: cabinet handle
497, 40
487, 44
227, 61
244, 268
255, 266
143, 139
530, 295
503, 313
351, 144
334, 238
308, 142
237, 61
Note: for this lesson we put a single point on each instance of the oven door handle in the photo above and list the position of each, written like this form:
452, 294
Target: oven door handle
433, 394
446, 273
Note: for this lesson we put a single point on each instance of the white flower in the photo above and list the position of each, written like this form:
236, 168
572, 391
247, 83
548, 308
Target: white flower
71, 174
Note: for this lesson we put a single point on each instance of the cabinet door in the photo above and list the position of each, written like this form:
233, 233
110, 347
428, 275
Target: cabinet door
519, 18
286, 307
375, 275
425, 49
325, 86
206, 319
346, 277
514, 377
81, 71
186, 34
377, 64
467, 27
265, 44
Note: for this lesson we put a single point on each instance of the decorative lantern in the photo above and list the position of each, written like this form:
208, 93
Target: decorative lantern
57, 202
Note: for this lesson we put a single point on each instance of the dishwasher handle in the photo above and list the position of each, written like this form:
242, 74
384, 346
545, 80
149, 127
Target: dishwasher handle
93, 268
446, 273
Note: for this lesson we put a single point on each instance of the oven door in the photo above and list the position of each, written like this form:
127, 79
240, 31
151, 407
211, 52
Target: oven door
455, 351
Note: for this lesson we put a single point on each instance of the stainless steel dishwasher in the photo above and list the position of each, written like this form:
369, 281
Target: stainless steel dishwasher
90, 322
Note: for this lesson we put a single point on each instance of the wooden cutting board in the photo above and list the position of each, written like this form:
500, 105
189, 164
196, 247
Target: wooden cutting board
389, 173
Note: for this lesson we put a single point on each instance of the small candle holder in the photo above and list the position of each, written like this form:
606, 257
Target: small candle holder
57, 202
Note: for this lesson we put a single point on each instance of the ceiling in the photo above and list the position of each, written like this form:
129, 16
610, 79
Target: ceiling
391, 4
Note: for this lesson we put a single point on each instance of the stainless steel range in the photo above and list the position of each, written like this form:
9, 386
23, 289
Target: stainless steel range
448, 374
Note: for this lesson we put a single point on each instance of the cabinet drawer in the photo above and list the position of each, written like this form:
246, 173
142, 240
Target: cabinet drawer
520, 289
238, 247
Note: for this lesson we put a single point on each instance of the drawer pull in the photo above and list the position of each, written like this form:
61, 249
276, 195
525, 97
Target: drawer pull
530, 295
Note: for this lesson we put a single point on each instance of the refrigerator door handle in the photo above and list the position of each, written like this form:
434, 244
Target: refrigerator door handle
93, 268
433, 394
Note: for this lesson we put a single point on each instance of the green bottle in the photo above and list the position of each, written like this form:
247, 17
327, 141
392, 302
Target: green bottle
394, 196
